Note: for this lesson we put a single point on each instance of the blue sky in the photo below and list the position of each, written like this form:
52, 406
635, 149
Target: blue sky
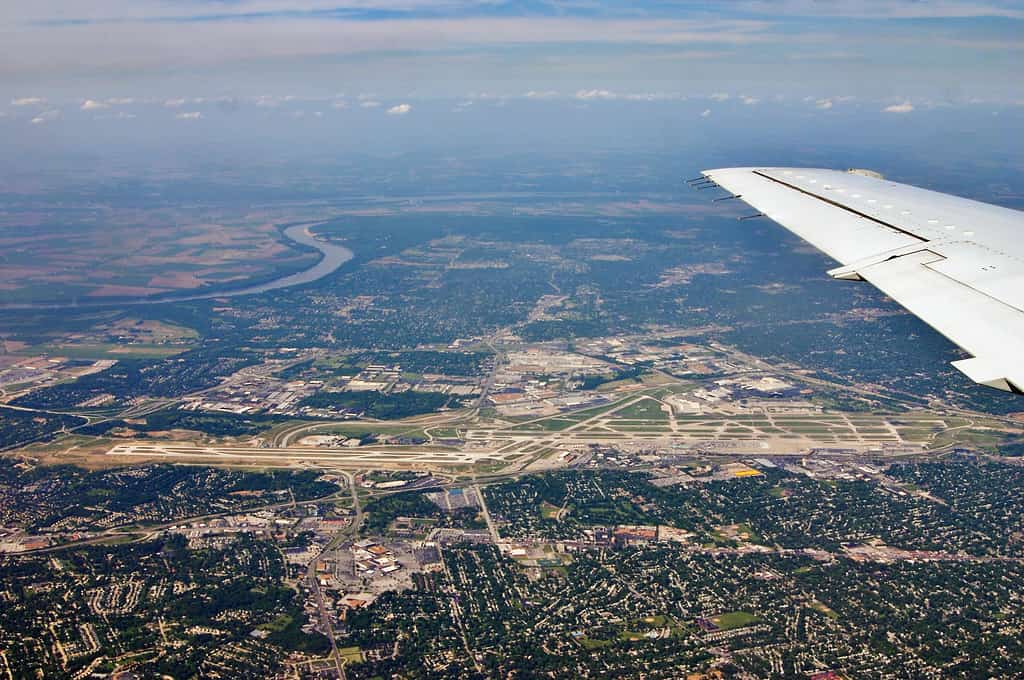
68, 64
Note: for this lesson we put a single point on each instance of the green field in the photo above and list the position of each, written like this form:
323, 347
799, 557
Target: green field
110, 350
732, 620
548, 511
278, 624
590, 643
645, 409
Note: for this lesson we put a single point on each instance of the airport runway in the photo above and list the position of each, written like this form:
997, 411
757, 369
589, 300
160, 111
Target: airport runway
361, 457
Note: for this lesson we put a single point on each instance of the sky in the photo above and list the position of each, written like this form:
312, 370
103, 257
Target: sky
76, 73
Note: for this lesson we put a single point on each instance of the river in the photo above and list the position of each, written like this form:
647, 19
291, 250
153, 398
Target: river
333, 257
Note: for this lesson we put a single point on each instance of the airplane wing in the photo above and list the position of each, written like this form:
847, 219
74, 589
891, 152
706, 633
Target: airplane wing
956, 263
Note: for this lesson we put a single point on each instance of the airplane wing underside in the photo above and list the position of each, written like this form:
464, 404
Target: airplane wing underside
956, 263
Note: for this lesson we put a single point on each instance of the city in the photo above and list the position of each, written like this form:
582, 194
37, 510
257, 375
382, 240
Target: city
419, 340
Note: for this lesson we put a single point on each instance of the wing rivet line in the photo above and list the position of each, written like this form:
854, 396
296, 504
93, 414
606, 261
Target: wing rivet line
842, 206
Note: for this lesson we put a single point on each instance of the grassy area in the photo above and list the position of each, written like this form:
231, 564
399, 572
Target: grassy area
747, 533
730, 535
656, 621
577, 416
359, 429
639, 423
552, 424
915, 435
110, 350
824, 609
591, 643
811, 430
638, 628
278, 624
548, 511
646, 380
984, 439
616, 385
351, 654
489, 468
731, 620
645, 409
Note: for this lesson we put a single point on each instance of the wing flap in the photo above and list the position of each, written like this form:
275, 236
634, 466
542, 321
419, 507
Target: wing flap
982, 325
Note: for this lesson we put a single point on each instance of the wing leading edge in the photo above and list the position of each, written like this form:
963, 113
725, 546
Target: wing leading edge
955, 263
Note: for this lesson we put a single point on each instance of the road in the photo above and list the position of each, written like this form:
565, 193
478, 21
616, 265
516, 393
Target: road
487, 514
326, 625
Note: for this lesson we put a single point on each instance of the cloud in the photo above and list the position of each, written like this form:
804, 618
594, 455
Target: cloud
237, 44
120, 115
228, 104
750, 101
587, 95
93, 105
120, 101
301, 113
905, 107
654, 96
541, 94
46, 117
485, 96
29, 101
369, 104
174, 103
189, 115
719, 97
399, 110
886, 9
339, 104
706, 113
823, 104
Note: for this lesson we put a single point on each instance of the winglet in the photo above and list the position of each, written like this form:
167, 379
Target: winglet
992, 373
